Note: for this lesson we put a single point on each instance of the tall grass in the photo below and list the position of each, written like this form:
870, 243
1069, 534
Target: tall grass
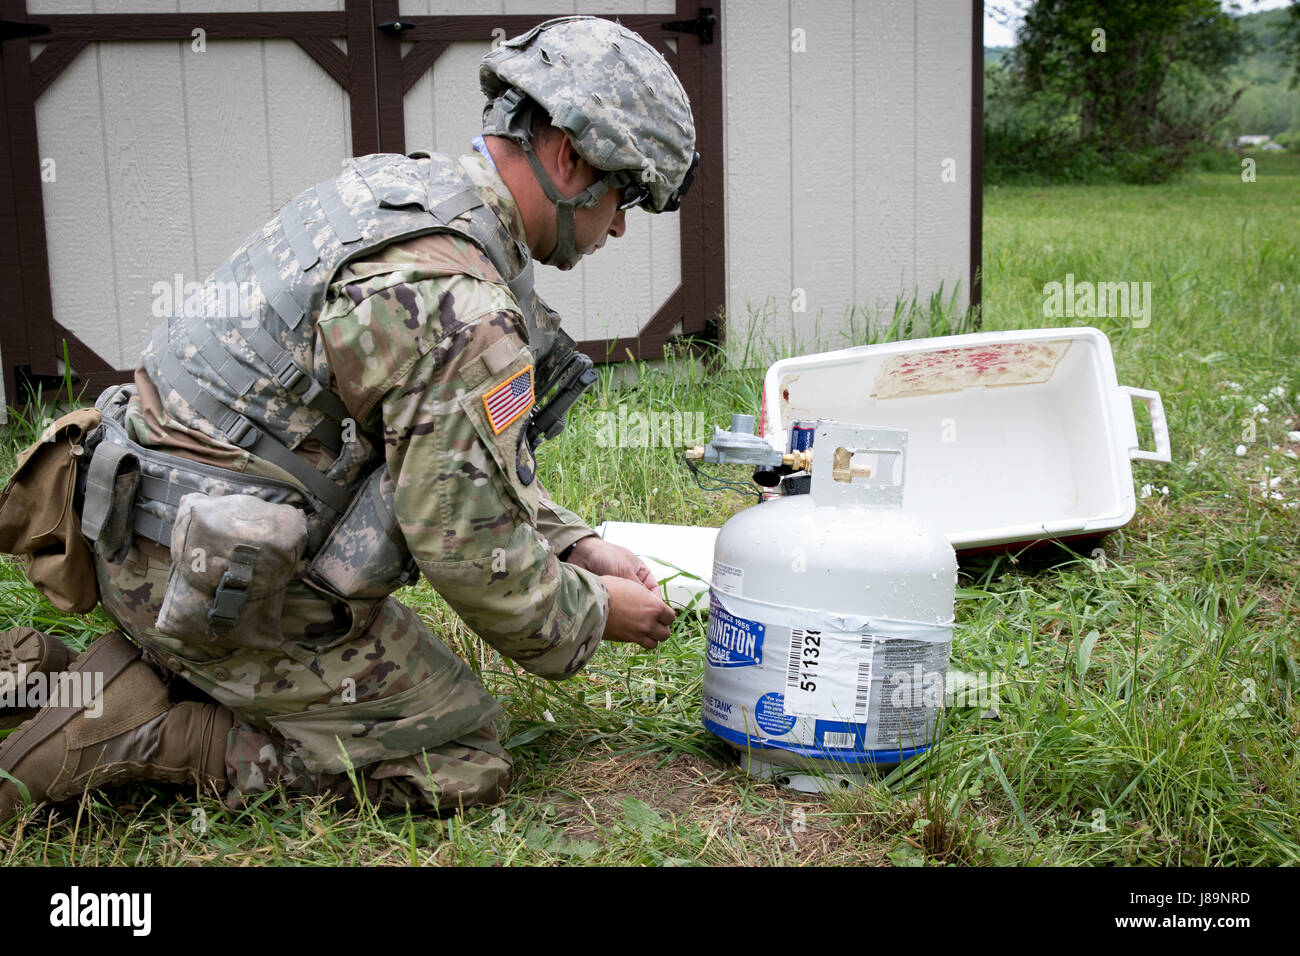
1147, 710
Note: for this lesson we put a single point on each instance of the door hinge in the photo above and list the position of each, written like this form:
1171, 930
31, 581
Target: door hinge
702, 26
396, 27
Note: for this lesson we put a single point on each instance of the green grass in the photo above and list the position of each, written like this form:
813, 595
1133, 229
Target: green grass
1148, 713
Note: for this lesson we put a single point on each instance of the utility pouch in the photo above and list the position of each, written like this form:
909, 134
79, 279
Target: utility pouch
107, 514
232, 557
38, 519
365, 556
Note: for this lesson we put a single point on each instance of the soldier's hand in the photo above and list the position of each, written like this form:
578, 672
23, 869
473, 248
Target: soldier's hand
599, 556
636, 616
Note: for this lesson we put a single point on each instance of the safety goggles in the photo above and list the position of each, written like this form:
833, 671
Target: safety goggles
634, 192
631, 191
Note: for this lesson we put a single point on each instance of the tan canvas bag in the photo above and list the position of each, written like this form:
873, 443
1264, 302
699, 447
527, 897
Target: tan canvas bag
38, 519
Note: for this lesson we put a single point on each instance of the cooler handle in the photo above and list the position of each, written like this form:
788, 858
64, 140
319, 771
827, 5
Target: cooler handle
1159, 425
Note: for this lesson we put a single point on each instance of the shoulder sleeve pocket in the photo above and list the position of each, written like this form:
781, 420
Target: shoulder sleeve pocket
498, 408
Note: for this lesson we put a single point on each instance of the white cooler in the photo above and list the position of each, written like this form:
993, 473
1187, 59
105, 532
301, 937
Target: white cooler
1013, 437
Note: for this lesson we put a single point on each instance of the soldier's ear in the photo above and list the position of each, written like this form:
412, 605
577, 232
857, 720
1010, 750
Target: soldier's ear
569, 164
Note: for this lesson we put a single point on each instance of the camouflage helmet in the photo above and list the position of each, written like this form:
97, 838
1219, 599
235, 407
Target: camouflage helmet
614, 95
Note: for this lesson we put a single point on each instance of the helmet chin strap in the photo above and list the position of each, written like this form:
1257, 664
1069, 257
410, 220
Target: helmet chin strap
506, 117
564, 255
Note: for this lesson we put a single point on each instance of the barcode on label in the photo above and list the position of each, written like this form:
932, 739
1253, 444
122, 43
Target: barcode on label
792, 668
832, 739
863, 695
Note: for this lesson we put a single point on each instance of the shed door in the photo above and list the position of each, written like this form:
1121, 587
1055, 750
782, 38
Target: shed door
140, 152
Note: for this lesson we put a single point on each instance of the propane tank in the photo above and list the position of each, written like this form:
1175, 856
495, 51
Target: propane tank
830, 620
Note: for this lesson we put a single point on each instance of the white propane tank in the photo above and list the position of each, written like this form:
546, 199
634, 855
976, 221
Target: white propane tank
830, 620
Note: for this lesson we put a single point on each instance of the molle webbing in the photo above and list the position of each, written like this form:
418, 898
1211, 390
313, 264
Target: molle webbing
340, 219
246, 371
277, 293
287, 373
295, 231
164, 480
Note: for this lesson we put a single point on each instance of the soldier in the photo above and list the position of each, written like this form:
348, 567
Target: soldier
279, 467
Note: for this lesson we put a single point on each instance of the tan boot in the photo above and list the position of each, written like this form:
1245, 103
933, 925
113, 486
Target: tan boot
129, 732
24, 653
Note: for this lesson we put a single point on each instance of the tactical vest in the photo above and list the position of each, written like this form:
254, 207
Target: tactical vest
240, 354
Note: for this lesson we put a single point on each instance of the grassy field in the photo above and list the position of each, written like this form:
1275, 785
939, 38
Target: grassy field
1148, 713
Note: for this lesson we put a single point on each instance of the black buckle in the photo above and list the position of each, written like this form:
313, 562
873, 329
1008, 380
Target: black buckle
674, 203
290, 375
632, 192
227, 603
240, 431
232, 591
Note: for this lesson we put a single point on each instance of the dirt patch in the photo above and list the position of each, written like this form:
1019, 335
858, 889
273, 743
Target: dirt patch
719, 815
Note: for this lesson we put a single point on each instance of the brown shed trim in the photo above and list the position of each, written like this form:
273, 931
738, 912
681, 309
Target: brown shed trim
179, 26
51, 61
387, 60
363, 92
93, 373
13, 324
371, 70
420, 59
26, 305
329, 57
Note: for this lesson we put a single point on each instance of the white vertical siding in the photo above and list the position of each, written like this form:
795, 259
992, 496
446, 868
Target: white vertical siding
82, 248
759, 205
884, 148
834, 159
821, 85
943, 44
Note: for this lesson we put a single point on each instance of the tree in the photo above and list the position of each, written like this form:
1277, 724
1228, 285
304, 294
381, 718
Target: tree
1291, 40
1123, 65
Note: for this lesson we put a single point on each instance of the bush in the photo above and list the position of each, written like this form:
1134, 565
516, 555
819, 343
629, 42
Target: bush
1290, 139
1216, 160
1041, 157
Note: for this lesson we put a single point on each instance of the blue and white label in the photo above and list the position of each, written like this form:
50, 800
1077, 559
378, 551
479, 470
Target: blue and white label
733, 641
717, 709
770, 715
844, 688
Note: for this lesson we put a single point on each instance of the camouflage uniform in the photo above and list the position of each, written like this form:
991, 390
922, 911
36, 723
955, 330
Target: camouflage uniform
420, 349
411, 338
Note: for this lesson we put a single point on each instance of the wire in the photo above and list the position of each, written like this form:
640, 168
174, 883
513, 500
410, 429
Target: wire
722, 484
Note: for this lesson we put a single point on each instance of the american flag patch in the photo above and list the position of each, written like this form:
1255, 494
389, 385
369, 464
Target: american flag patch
509, 400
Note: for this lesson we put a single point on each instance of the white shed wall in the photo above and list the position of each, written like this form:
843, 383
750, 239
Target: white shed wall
834, 158
833, 163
